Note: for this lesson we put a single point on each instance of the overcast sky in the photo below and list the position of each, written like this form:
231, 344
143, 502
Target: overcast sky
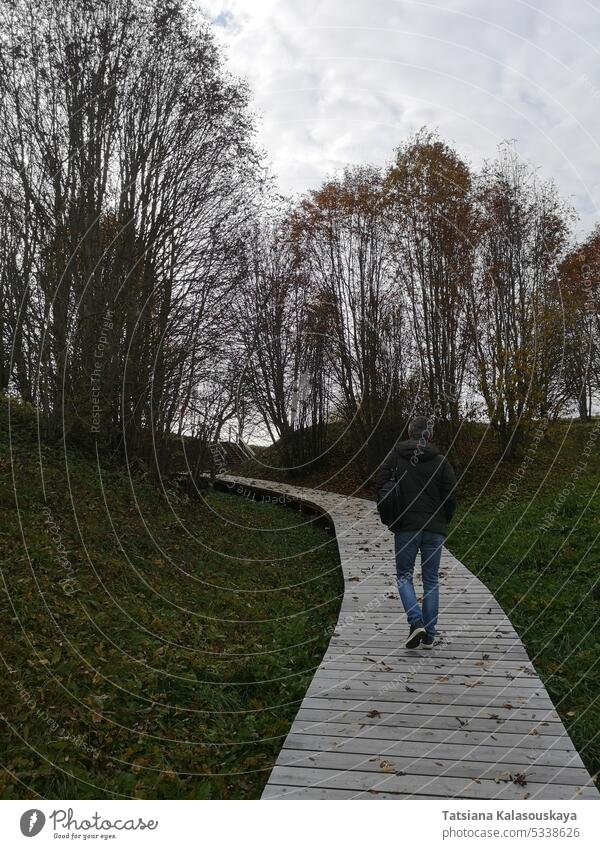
341, 82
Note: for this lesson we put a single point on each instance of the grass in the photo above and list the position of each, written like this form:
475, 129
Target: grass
172, 661
530, 531
175, 670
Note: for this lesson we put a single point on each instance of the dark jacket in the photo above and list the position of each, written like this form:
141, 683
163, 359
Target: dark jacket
427, 484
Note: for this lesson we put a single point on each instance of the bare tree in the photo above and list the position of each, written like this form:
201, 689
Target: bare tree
580, 300
343, 239
128, 176
279, 326
428, 190
522, 237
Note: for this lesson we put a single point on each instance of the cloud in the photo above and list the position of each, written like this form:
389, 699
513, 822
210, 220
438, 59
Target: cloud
345, 81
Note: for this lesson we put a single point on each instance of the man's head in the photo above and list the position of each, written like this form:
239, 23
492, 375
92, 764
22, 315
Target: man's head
419, 429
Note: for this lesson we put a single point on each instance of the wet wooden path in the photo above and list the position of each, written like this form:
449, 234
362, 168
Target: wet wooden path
469, 719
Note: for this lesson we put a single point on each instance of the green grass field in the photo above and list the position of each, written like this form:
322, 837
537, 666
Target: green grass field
530, 530
150, 646
175, 669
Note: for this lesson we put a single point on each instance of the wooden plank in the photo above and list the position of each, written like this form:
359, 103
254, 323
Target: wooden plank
430, 699
440, 653
416, 656
452, 722
450, 663
440, 787
354, 672
276, 792
423, 710
383, 683
410, 724
455, 766
387, 731
436, 751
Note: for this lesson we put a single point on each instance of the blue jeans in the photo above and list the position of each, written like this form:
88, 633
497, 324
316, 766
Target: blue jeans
407, 544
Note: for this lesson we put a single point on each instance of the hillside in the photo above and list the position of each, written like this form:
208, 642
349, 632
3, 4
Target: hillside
530, 531
151, 646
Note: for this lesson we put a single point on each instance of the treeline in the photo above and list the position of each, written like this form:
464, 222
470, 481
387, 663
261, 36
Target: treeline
424, 287
128, 177
150, 286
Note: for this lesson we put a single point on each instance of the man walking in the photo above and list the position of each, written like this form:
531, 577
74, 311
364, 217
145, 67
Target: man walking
425, 502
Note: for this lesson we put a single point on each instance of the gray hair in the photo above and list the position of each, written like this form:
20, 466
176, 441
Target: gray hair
419, 428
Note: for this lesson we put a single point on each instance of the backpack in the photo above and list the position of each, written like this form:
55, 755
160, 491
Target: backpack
391, 504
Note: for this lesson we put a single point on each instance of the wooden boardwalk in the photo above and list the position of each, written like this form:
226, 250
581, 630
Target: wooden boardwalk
469, 719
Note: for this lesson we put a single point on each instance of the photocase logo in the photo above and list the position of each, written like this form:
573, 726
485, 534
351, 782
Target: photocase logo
32, 822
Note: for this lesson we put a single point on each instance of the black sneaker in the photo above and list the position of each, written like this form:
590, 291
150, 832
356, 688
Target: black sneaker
416, 634
428, 641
